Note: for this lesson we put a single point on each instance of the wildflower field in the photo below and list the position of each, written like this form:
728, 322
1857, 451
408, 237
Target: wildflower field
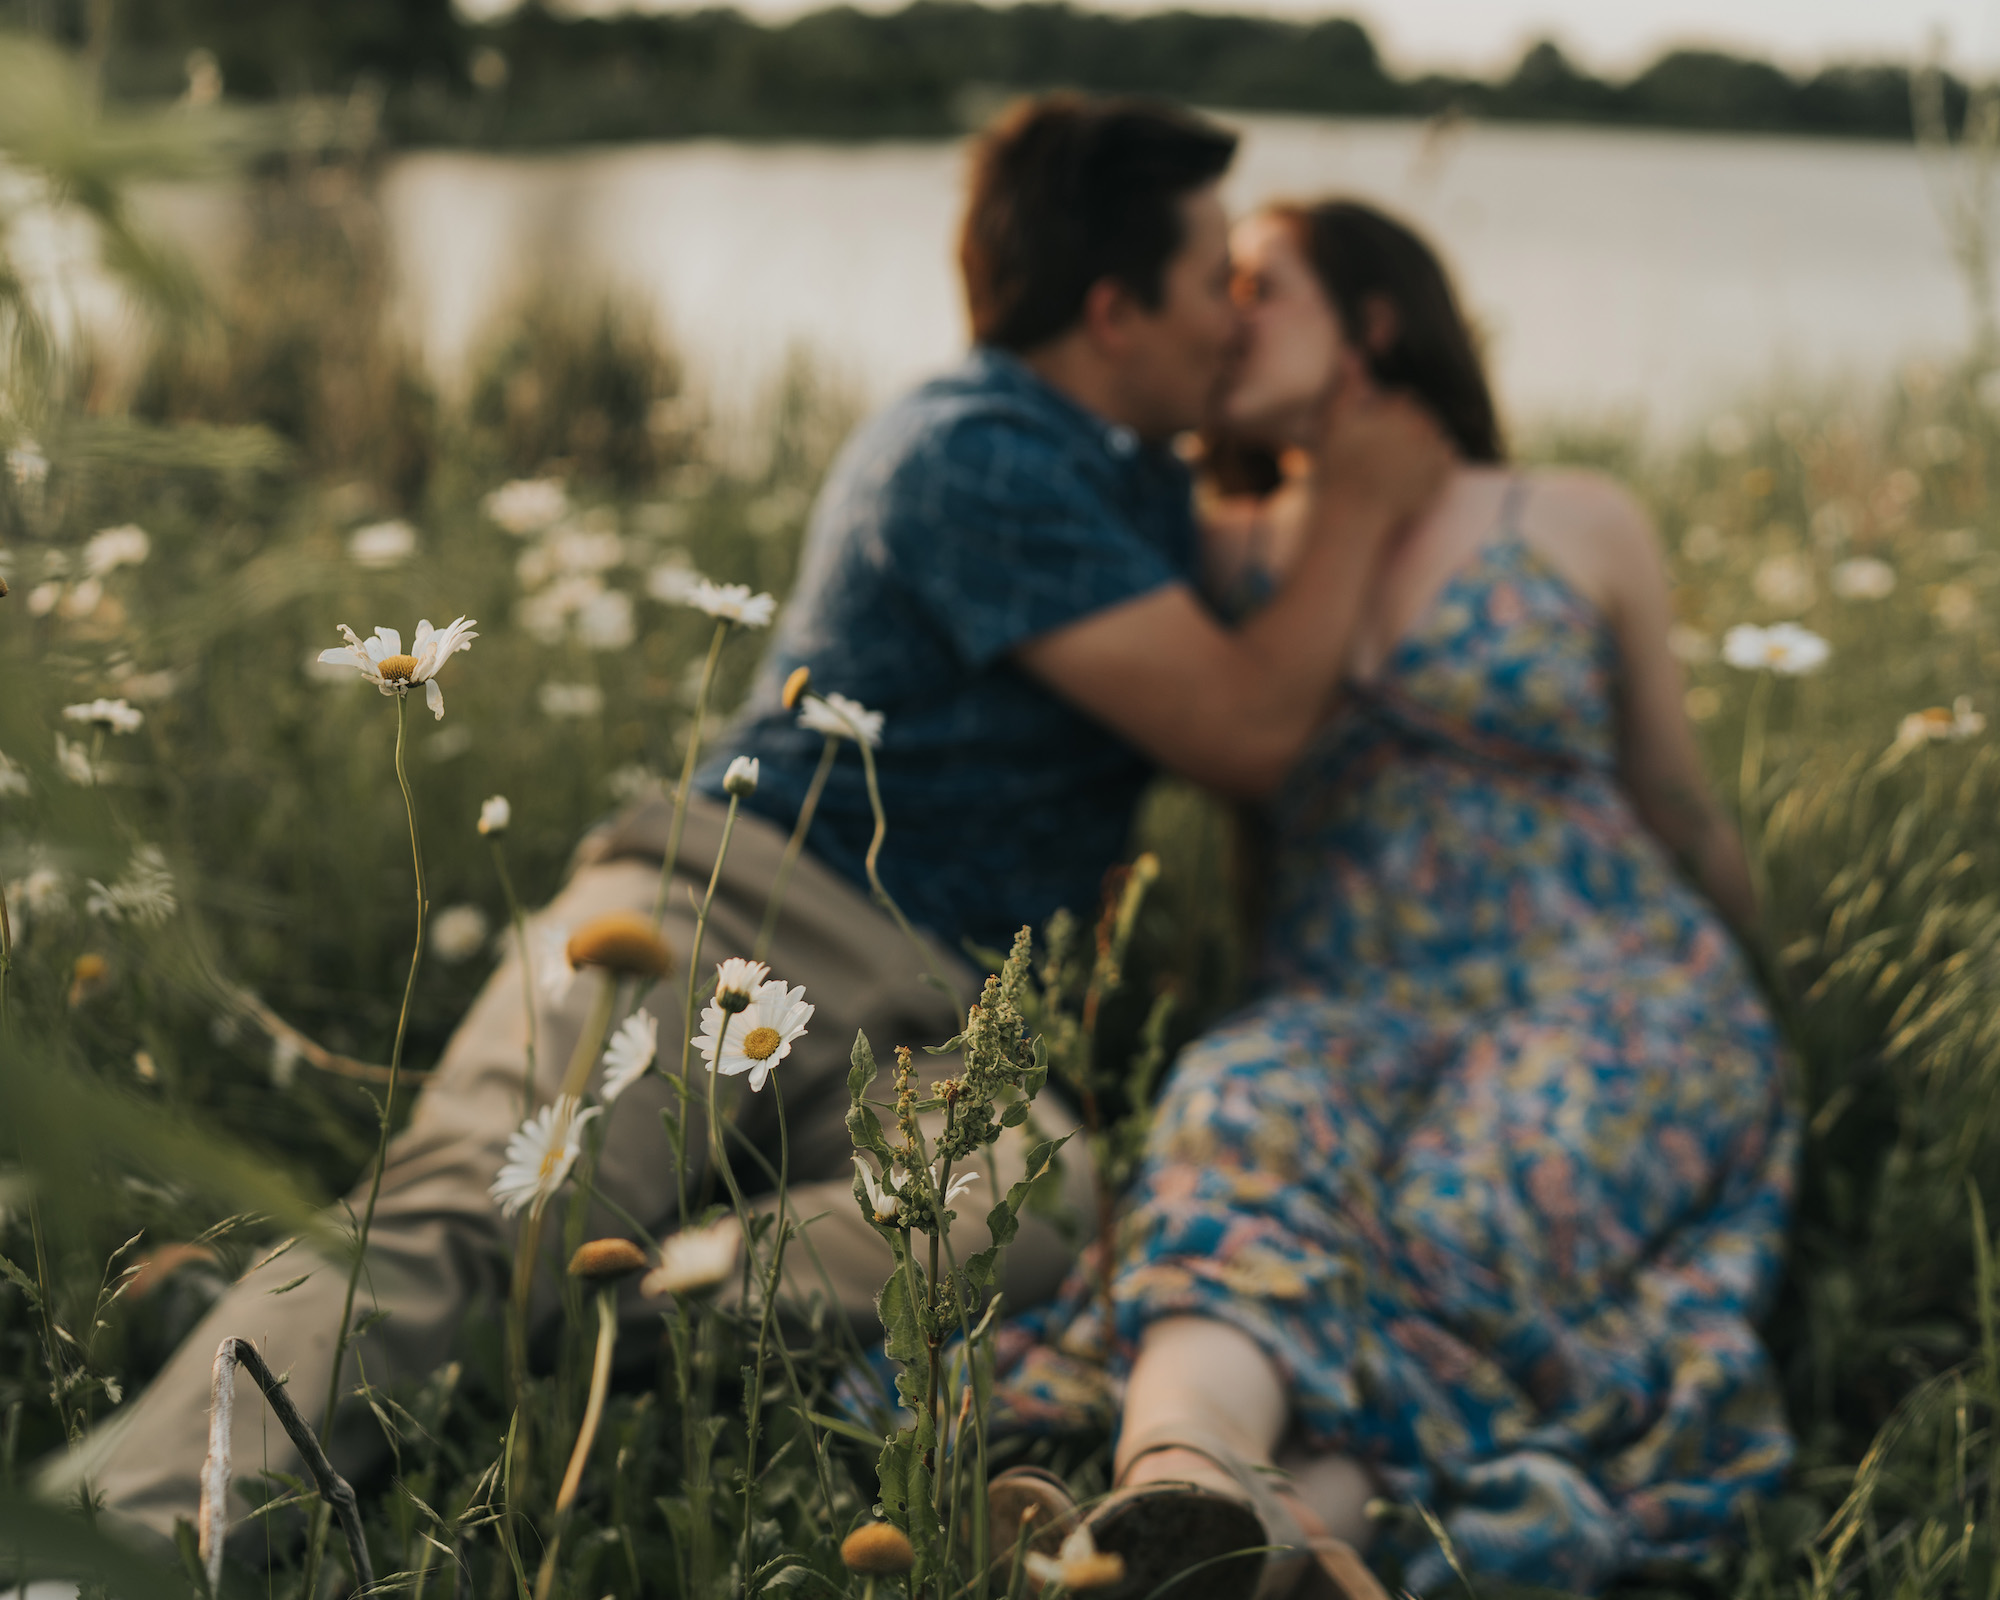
206, 850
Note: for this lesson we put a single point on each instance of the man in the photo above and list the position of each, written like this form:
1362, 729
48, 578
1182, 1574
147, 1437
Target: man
1002, 565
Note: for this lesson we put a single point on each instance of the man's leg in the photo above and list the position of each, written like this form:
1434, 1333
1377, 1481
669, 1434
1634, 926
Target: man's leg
438, 1248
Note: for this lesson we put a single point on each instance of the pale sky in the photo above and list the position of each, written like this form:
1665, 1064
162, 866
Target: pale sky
1610, 35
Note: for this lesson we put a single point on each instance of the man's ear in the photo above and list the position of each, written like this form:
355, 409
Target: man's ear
1108, 310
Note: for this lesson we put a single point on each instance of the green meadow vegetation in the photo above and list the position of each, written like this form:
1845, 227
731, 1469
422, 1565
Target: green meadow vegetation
210, 915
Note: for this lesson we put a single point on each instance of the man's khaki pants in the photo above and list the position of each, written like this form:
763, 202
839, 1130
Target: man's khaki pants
438, 1251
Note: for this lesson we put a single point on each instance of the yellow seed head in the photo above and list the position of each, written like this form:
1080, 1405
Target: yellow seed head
795, 685
1094, 1571
399, 669
759, 1043
606, 1258
623, 942
877, 1551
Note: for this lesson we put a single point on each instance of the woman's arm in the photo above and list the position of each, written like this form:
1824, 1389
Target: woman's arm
1658, 760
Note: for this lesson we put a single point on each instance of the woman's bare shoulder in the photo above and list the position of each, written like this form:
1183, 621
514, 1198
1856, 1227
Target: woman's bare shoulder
1594, 529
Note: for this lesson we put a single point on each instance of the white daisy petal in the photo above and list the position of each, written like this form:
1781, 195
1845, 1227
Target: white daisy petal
629, 1054
756, 1039
539, 1157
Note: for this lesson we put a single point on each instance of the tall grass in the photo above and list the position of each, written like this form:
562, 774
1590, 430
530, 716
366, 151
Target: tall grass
290, 468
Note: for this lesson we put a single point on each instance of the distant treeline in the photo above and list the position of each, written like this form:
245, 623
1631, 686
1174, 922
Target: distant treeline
540, 76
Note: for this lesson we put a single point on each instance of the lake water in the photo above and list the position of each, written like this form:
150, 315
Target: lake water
1653, 276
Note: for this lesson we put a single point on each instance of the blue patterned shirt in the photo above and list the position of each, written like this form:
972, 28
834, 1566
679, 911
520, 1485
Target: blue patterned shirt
974, 514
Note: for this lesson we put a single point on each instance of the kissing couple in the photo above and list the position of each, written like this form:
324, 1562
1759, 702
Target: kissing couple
1474, 1202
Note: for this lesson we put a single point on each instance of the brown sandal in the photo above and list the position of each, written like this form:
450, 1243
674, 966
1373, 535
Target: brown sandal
1296, 1564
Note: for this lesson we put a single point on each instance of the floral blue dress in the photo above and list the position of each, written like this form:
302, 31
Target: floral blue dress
1497, 1166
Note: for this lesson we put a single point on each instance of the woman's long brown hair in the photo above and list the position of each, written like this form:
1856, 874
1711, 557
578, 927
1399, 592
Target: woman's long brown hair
1364, 258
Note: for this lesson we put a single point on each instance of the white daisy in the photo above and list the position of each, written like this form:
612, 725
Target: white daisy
1786, 649
495, 814
883, 1200
75, 764
1935, 725
741, 778
758, 1039
841, 718
382, 660
732, 602
693, 1259
1864, 578
959, 1184
115, 716
539, 1157
553, 973
629, 1054
111, 548
736, 980
527, 505
382, 544
458, 933
13, 777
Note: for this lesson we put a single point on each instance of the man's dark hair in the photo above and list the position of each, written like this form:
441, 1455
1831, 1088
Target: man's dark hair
1067, 191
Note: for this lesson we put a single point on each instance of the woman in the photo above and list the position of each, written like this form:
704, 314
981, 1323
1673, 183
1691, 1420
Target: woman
1477, 1204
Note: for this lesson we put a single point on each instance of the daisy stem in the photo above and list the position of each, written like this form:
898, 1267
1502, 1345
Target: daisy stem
882, 896
520, 920
586, 1436
687, 770
1750, 778
6, 955
588, 1043
793, 846
687, 1019
719, 1154
388, 1113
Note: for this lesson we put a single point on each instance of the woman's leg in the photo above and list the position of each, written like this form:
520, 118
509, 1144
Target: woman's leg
1213, 1379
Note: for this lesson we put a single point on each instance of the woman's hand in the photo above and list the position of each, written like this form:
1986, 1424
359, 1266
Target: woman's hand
1378, 452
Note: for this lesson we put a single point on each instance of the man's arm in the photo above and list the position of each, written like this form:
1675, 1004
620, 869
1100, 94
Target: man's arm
1233, 709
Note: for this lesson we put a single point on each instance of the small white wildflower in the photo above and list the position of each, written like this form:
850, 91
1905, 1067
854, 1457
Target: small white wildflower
495, 814
694, 1259
732, 602
629, 1054
382, 544
144, 894
553, 973
114, 716
539, 1156
1935, 725
570, 700
42, 893
883, 1200
26, 464
759, 1038
606, 621
43, 597
527, 505
82, 600
73, 761
111, 548
381, 658
1784, 580
458, 933
1786, 649
736, 980
13, 777
841, 718
674, 582
741, 778
1864, 578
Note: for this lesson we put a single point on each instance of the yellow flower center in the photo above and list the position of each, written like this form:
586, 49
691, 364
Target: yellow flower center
760, 1044
551, 1158
400, 668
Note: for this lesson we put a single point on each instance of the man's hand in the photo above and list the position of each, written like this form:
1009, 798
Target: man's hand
1378, 454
